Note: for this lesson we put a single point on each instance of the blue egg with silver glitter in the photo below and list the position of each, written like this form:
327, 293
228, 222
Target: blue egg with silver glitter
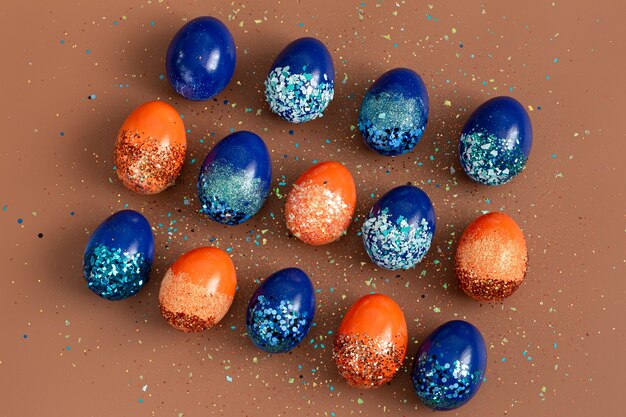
281, 311
394, 112
450, 366
301, 82
496, 141
235, 178
399, 228
119, 255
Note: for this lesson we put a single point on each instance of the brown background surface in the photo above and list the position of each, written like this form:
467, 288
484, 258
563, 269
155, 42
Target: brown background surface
555, 348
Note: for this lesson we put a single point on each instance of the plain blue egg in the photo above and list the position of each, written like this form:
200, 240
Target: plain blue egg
399, 228
394, 112
119, 255
235, 178
281, 311
450, 366
301, 82
200, 60
496, 141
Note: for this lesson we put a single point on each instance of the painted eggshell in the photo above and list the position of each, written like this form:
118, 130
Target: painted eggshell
200, 59
320, 206
235, 178
119, 255
450, 366
371, 342
198, 289
281, 311
496, 141
491, 258
399, 229
150, 148
394, 112
301, 82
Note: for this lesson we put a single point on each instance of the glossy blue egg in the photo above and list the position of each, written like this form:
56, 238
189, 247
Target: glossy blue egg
301, 82
496, 141
119, 255
450, 366
200, 60
235, 178
394, 112
399, 228
281, 311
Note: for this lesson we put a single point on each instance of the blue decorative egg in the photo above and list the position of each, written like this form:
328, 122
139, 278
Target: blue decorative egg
200, 60
301, 81
394, 112
450, 366
235, 178
119, 255
399, 228
281, 311
496, 141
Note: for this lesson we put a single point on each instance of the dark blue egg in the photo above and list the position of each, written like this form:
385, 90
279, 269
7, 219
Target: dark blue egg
235, 178
496, 141
281, 311
119, 255
450, 365
394, 112
301, 82
399, 228
200, 60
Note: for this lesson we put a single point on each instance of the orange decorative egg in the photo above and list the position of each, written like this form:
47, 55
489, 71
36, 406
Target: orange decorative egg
150, 148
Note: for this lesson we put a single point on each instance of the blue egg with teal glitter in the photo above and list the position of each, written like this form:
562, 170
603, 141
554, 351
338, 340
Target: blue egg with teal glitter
301, 81
399, 229
394, 112
450, 366
281, 311
119, 255
235, 178
495, 142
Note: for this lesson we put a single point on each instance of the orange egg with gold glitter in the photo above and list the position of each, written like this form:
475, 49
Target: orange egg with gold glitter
371, 342
150, 148
320, 206
491, 258
198, 289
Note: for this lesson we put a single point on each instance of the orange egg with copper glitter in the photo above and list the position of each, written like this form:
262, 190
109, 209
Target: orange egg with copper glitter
371, 342
320, 206
198, 289
491, 258
150, 148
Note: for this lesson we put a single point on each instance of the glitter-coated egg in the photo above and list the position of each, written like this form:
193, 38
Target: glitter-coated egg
198, 289
281, 311
399, 229
235, 178
394, 112
301, 82
371, 341
450, 366
491, 258
200, 59
496, 141
320, 206
119, 255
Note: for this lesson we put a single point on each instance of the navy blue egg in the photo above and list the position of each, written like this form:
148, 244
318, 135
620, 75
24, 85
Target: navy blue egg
119, 255
235, 178
394, 112
399, 228
496, 141
301, 82
281, 311
450, 366
200, 60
